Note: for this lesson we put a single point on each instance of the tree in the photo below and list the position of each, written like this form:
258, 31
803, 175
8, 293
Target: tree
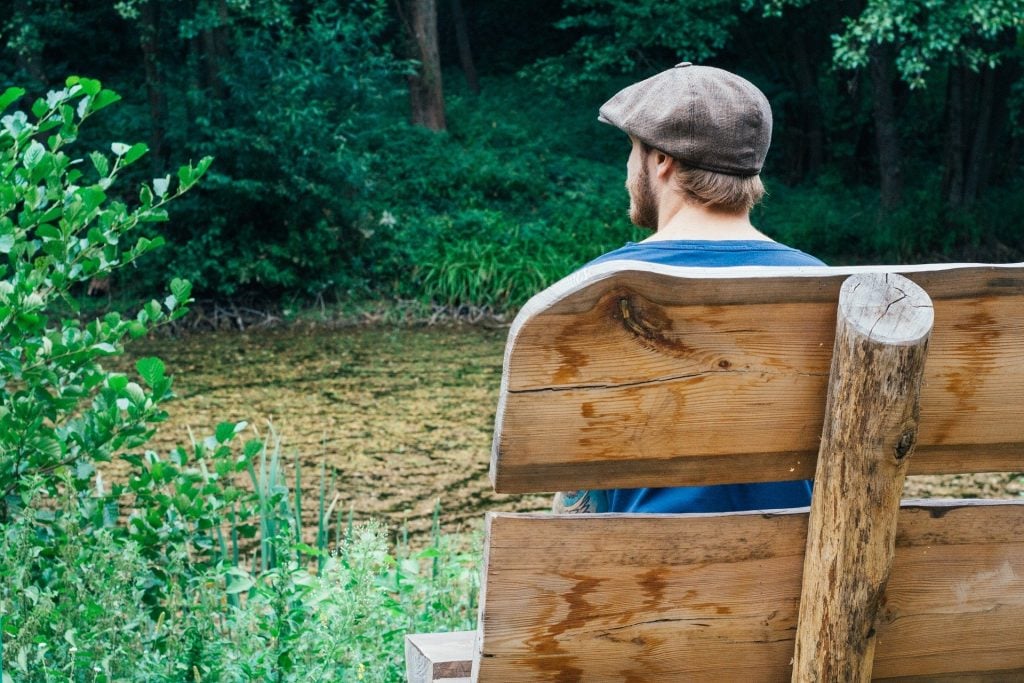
465, 52
968, 40
426, 94
622, 36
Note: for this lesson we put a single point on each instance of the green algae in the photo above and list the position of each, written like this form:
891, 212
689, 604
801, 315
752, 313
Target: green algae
401, 417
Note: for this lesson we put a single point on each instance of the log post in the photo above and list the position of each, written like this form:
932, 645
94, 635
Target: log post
884, 322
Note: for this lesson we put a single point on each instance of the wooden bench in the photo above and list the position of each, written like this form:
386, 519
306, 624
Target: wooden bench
631, 375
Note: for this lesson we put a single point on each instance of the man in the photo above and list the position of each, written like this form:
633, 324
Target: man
700, 136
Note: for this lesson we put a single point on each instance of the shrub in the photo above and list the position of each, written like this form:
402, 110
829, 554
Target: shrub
59, 229
182, 570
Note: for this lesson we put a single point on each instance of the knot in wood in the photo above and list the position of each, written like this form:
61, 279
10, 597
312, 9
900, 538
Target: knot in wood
905, 445
631, 320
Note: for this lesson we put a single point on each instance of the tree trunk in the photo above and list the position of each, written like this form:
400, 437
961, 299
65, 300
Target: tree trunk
980, 157
886, 133
425, 90
814, 136
215, 52
31, 60
465, 53
953, 177
149, 36
871, 416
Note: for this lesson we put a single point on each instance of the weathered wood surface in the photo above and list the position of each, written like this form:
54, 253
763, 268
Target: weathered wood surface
621, 375
882, 330
714, 597
440, 657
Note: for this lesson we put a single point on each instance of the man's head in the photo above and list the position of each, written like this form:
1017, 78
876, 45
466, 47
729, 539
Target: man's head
716, 127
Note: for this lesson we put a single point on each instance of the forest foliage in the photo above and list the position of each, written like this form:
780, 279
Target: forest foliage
898, 131
188, 565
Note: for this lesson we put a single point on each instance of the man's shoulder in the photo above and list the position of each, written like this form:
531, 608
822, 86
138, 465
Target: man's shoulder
711, 253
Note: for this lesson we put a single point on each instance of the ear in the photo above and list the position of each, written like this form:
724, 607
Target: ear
665, 166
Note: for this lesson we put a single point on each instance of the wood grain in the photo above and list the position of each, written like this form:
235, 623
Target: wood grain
714, 597
628, 375
882, 331
437, 657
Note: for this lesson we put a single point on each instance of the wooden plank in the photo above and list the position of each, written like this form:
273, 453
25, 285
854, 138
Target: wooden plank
871, 423
620, 376
439, 657
714, 597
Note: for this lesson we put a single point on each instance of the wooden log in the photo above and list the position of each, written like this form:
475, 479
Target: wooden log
431, 657
883, 326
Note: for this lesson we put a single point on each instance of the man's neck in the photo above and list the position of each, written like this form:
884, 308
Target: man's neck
690, 222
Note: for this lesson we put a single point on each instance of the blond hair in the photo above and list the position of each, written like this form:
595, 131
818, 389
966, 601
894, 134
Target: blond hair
719, 192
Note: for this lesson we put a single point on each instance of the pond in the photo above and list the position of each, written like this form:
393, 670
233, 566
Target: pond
402, 417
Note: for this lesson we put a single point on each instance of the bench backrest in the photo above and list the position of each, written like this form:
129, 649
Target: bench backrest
620, 376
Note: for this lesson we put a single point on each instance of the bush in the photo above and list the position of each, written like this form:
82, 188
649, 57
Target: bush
498, 207
59, 410
182, 570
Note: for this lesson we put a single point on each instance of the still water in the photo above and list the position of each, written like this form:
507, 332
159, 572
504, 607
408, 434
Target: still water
402, 417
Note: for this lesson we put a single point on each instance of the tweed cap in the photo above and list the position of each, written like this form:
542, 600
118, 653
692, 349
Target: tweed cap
704, 117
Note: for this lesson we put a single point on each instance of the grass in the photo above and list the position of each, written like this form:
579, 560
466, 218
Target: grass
83, 602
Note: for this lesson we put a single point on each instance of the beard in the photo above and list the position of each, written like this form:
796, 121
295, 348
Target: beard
643, 205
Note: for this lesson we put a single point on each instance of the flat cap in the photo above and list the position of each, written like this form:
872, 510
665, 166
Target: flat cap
705, 117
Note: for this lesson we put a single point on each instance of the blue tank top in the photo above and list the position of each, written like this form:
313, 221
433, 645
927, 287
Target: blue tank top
724, 497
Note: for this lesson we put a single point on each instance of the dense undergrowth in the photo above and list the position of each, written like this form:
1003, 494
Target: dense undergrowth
504, 203
194, 564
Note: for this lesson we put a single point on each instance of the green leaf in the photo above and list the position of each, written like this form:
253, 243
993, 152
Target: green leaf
90, 86
6, 243
239, 581
34, 154
39, 107
10, 96
201, 167
135, 152
151, 370
185, 176
135, 393
48, 232
47, 445
53, 213
117, 382
119, 148
92, 197
100, 162
310, 550
225, 431
103, 99
181, 289
69, 636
